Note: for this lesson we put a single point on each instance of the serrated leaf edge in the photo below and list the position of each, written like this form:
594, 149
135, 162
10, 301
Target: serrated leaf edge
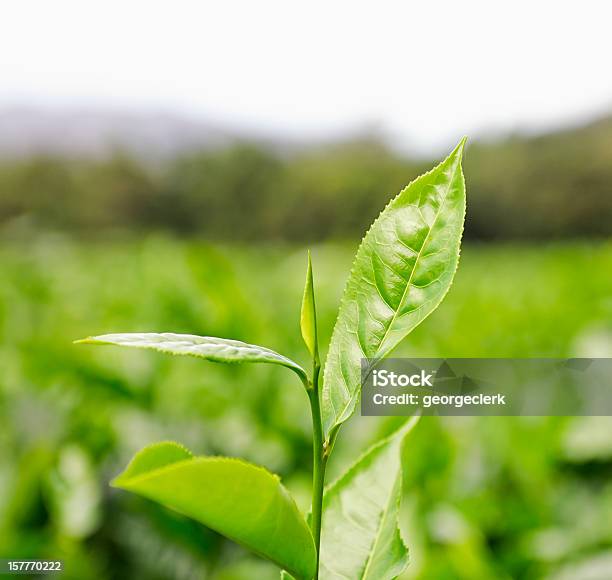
281, 360
354, 399
396, 504
402, 431
212, 459
116, 482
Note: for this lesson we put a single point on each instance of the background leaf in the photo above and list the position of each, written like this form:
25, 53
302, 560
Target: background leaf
360, 538
208, 347
403, 269
242, 501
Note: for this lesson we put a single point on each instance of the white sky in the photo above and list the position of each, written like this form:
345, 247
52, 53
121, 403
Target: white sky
426, 72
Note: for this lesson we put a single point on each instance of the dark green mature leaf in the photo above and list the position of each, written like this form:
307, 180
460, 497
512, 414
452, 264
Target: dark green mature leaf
360, 538
308, 315
207, 347
242, 501
403, 269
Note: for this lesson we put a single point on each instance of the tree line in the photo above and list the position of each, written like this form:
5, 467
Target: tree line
555, 185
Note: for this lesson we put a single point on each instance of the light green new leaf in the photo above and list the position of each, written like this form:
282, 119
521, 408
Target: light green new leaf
308, 318
208, 347
242, 501
360, 538
403, 269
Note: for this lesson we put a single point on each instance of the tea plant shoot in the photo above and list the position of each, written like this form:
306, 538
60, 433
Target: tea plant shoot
403, 269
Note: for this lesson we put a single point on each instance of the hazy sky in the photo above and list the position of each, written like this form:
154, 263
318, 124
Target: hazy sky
425, 72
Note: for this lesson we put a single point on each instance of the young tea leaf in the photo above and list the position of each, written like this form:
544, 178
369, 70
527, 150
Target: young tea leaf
207, 347
402, 271
360, 538
242, 501
308, 318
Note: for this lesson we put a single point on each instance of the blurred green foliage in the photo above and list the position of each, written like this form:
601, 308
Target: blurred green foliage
523, 187
484, 497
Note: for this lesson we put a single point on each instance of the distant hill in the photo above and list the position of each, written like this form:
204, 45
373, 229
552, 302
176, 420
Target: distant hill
94, 133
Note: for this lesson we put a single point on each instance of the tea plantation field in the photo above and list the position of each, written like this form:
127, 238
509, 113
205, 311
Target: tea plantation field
484, 497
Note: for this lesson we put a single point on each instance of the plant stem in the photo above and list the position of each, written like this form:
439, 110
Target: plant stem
319, 461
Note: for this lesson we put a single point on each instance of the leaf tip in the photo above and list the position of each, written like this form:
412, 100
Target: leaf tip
407, 426
90, 340
458, 151
82, 340
116, 482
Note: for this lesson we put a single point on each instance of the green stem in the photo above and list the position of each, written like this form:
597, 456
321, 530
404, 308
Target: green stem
319, 461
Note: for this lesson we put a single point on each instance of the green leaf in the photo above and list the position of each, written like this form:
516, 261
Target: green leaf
208, 347
403, 269
244, 502
360, 538
308, 318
